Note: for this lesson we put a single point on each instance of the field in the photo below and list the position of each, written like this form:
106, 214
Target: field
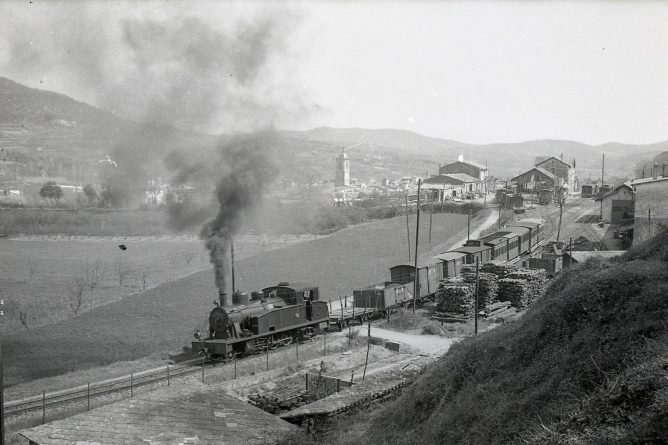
49, 279
162, 319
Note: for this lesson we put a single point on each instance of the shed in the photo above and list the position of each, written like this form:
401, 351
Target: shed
618, 204
538, 177
195, 414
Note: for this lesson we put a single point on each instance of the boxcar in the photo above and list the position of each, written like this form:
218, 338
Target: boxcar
450, 263
428, 277
383, 297
474, 249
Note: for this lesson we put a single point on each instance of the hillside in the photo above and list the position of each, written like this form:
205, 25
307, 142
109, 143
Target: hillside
587, 364
49, 135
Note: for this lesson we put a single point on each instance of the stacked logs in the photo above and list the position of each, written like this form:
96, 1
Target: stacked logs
536, 280
518, 292
273, 405
456, 297
500, 270
488, 284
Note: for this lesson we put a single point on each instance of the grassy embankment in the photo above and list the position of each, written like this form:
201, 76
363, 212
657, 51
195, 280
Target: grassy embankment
586, 364
272, 218
162, 319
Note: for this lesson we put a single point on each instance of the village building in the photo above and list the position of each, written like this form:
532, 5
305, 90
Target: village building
534, 180
618, 204
563, 171
453, 185
651, 207
471, 169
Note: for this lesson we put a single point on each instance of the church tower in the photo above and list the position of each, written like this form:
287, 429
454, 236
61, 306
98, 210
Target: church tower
342, 170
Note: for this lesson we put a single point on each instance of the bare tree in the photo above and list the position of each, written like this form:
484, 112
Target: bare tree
77, 290
143, 276
123, 272
23, 316
93, 273
189, 255
32, 267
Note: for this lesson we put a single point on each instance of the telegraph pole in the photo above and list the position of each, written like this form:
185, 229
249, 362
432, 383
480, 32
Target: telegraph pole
416, 282
408, 232
2, 386
602, 176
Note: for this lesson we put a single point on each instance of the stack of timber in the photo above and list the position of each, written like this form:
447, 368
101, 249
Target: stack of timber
456, 297
536, 280
500, 309
518, 292
488, 284
498, 269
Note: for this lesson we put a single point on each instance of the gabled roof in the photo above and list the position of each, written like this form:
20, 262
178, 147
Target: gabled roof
556, 159
539, 170
643, 181
451, 178
615, 190
178, 413
472, 163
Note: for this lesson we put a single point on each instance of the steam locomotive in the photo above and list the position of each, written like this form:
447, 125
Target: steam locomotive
276, 316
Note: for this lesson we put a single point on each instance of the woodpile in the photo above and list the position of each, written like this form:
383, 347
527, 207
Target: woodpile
488, 284
273, 405
536, 280
456, 297
500, 270
518, 292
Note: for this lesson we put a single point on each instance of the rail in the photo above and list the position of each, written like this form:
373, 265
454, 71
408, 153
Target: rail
91, 390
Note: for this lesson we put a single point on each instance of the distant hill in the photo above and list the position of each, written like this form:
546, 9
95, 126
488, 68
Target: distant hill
45, 134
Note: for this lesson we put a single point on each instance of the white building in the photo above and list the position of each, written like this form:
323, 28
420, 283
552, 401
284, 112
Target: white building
651, 207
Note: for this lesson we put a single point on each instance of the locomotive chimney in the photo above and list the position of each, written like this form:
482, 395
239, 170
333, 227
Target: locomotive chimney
223, 272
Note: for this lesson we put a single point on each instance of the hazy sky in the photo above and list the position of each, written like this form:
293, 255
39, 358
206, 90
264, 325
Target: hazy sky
476, 72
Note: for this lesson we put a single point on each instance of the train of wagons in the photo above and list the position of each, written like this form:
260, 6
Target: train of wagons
287, 312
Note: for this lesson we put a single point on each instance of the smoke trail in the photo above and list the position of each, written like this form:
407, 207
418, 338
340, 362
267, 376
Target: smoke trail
247, 165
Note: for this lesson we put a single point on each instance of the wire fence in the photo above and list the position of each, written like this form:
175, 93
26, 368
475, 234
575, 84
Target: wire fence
50, 404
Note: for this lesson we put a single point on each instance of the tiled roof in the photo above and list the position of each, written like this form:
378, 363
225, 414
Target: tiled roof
538, 162
540, 170
647, 180
196, 414
451, 178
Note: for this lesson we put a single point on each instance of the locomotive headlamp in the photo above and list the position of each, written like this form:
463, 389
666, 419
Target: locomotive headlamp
197, 335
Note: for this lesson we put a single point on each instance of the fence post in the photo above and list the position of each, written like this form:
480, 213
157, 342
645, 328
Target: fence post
267, 349
352, 375
324, 338
307, 381
297, 349
131, 384
88, 396
43, 407
167, 375
235, 366
338, 385
202, 369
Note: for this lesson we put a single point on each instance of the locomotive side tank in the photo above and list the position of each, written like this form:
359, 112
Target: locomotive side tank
275, 316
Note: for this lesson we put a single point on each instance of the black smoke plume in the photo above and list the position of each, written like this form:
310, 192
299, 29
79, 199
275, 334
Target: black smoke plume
247, 165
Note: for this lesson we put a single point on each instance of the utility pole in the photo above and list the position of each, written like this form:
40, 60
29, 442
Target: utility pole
477, 293
561, 208
2, 386
408, 232
416, 281
602, 178
468, 226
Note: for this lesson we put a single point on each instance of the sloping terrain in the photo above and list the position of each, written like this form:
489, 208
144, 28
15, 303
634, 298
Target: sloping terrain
587, 364
162, 319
